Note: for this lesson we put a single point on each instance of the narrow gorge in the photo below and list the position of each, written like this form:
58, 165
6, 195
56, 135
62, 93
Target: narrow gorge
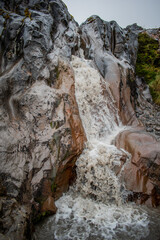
79, 126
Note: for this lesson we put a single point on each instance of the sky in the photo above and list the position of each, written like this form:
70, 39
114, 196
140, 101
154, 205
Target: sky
145, 13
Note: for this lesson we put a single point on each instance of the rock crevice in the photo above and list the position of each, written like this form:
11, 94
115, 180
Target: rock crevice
41, 131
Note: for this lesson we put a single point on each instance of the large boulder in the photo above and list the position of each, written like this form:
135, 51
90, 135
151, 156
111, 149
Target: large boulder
141, 174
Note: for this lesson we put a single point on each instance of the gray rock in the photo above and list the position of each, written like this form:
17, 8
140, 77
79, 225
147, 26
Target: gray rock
157, 128
40, 128
149, 129
36, 102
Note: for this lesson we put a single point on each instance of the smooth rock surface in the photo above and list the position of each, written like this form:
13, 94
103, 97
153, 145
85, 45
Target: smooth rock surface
141, 175
113, 50
40, 127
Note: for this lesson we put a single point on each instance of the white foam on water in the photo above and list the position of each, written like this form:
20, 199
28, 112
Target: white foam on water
94, 208
99, 162
81, 218
96, 174
96, 105
98, 220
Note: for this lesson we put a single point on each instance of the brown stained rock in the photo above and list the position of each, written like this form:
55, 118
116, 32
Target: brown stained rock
49, 205
141, 175
65, 176
40, 146
120, 88
65, 173
66, 146
46, 188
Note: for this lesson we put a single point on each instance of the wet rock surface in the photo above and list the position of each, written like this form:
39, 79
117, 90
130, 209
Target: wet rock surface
114, 52
40, 128
146, 110
141, 174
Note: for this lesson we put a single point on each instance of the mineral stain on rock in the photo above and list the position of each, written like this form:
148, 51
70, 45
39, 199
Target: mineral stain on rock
44, 122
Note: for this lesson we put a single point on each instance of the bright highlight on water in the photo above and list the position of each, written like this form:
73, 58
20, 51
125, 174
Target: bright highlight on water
95, 208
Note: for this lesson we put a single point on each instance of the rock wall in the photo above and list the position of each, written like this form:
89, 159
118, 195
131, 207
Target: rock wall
113, 50
40, 128
141, 174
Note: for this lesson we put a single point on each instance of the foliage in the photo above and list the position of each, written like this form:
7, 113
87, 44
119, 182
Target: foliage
148, 64
57, 72
53, 186
40, 217
27, 13
71, 17
90, 19
155, 88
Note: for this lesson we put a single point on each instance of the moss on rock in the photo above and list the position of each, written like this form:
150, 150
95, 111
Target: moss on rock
148, 64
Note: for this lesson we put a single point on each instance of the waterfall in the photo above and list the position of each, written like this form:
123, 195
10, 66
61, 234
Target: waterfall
97, 165
94, 207
96, 105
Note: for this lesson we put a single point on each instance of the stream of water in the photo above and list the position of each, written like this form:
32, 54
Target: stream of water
95, 208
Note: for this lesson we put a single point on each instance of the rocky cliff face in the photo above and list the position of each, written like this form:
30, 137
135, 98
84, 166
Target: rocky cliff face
114, 51
41, 131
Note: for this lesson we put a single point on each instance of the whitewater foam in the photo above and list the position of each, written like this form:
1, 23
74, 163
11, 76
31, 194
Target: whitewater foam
81, 218
95, 208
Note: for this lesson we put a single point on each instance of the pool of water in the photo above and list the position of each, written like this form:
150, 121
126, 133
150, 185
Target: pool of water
80, 218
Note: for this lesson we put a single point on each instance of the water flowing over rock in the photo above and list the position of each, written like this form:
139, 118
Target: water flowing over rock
72, 108
99, 161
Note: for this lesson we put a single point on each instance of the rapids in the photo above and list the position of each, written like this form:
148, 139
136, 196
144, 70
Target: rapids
95, 207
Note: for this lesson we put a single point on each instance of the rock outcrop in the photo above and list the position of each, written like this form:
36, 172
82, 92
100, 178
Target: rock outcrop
141, 174
114, 51
41, 132
40, 128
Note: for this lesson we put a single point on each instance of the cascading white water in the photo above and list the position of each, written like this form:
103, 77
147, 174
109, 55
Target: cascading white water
95, 167
96, 105
93, 208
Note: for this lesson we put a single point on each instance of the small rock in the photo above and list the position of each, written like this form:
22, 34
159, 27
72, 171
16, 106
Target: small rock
157, 129
49, 205
149, 130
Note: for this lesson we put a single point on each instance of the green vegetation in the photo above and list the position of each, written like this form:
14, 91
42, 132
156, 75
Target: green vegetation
57, 72
53, 186
90, 19
71, 17
27, 13
148, 64
41, 216
6, 15
65, 5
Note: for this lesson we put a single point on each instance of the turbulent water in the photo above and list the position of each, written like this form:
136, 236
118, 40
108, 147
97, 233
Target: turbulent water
97, 165
95, 208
